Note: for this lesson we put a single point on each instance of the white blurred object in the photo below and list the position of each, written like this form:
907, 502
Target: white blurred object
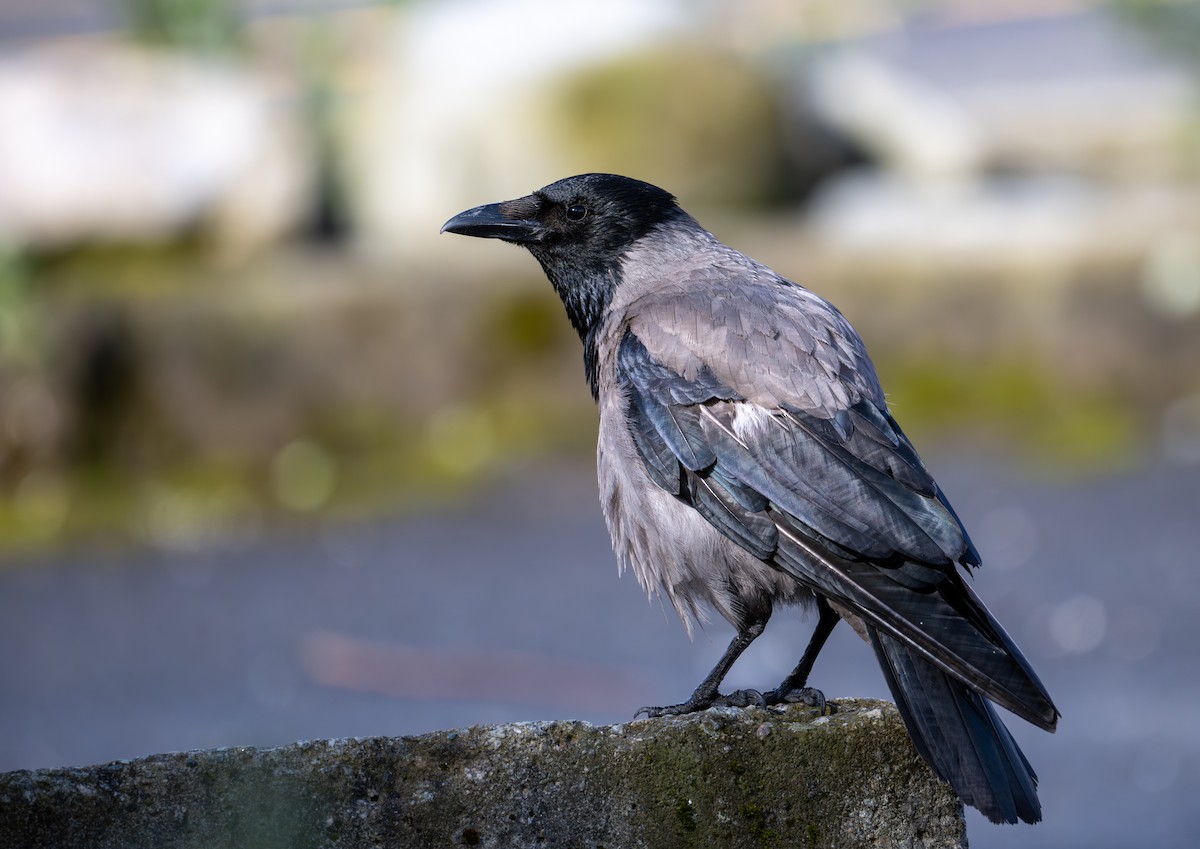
912, 127
1032, 141
108, 143
1015, 221
1072, 90
453, 119
1171, 275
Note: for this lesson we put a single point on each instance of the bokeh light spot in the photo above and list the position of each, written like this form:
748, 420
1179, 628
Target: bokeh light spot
42, 502
1078, 624
462, 440
1171, 277
304, 475
1181, 429
1007, 537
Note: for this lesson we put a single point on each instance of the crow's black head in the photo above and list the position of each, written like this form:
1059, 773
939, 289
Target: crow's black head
588, 220
578, 229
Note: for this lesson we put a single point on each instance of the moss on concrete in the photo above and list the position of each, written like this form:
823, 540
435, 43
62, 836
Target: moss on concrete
726, 777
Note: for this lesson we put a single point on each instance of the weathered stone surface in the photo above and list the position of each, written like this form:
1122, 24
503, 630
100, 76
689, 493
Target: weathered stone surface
724, 777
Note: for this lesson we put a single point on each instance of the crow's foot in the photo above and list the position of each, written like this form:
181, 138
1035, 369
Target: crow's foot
742, 698
738, 698
801, 695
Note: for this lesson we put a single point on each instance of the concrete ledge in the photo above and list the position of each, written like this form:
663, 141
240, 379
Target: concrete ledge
724, 778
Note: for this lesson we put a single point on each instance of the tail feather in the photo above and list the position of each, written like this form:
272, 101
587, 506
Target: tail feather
958, 733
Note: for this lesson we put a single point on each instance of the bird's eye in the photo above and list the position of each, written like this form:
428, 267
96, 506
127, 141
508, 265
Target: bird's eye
576, 212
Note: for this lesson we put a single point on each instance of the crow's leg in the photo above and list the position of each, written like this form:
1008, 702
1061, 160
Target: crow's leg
794, 689
707, 694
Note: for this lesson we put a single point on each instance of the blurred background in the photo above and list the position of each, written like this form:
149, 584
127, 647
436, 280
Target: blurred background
278, 462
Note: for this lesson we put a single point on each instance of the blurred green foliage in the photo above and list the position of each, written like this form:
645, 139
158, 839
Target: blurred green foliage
207, 27
1056, 428
290, 387
704, 122
1174, 25
198, 400
20, 337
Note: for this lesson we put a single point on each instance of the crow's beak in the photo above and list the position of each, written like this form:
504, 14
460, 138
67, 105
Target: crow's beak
512, 221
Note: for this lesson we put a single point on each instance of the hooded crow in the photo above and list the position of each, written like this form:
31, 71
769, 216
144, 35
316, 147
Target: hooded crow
747, 459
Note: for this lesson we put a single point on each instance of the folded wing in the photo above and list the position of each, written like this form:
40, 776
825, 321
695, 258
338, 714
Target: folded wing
787, 448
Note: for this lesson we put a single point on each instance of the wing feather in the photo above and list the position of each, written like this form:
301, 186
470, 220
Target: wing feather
818, 480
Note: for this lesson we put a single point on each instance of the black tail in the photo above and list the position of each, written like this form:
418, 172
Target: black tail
959, 734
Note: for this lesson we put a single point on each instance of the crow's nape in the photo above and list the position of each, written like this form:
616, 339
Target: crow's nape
959, 735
